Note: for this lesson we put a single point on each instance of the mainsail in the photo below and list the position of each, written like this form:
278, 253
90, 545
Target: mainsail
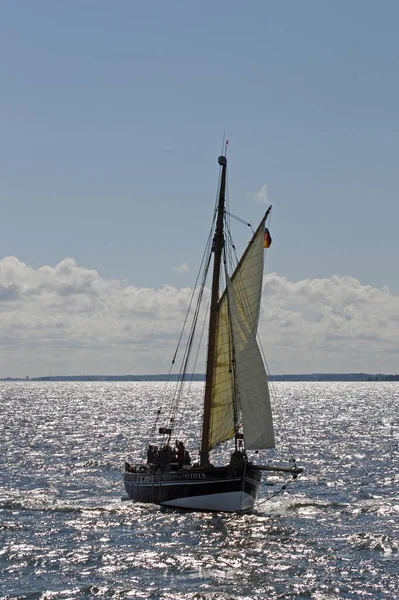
238, 315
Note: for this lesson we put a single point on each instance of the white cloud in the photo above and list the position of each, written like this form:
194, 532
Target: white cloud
70, 320
262, 196
332, 325
183, 268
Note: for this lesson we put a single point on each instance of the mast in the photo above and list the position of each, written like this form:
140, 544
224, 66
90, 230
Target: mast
218, 243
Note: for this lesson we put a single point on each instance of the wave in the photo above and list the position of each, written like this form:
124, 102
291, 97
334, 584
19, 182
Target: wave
374, 541
30, 506
317, 504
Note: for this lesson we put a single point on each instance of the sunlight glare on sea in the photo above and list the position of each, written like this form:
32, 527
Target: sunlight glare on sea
66, 533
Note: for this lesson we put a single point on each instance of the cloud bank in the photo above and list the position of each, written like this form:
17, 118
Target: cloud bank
69, 320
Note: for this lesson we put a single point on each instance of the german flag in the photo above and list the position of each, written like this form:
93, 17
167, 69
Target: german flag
268, 239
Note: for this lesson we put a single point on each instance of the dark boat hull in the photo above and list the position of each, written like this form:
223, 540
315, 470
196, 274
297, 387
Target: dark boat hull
210, 489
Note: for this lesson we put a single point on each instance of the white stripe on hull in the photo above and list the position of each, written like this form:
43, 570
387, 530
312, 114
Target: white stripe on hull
224, 502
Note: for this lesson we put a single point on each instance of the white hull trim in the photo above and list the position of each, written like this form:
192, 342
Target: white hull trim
225, 502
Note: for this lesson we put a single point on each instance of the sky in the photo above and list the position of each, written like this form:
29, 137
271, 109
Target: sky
112, 117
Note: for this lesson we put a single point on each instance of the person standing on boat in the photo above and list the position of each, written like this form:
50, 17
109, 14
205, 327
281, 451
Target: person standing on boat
165, 458
180, 454
150, 454
187, 459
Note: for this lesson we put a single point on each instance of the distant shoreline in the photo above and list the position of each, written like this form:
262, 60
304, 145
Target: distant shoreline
201, 377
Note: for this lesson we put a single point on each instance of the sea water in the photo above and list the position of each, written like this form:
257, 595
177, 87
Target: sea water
66, 532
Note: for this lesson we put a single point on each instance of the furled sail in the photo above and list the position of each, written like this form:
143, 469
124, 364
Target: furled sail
242, 304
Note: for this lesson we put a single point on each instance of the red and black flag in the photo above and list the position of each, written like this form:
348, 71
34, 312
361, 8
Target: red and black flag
268, 239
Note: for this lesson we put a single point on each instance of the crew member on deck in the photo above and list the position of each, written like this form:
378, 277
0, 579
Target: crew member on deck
187, 458
165, 458
180, 454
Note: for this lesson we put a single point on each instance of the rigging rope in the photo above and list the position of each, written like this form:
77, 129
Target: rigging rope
187, 352
282, 489
178, 425
203, 270
240, 220
207, 253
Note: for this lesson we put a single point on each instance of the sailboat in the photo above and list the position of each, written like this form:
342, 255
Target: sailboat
236, 402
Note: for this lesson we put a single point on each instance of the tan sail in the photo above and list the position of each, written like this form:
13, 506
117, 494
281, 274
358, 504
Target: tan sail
252, 394
222, 425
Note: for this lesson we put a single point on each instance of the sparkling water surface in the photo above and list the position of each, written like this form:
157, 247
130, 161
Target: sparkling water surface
66, 533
